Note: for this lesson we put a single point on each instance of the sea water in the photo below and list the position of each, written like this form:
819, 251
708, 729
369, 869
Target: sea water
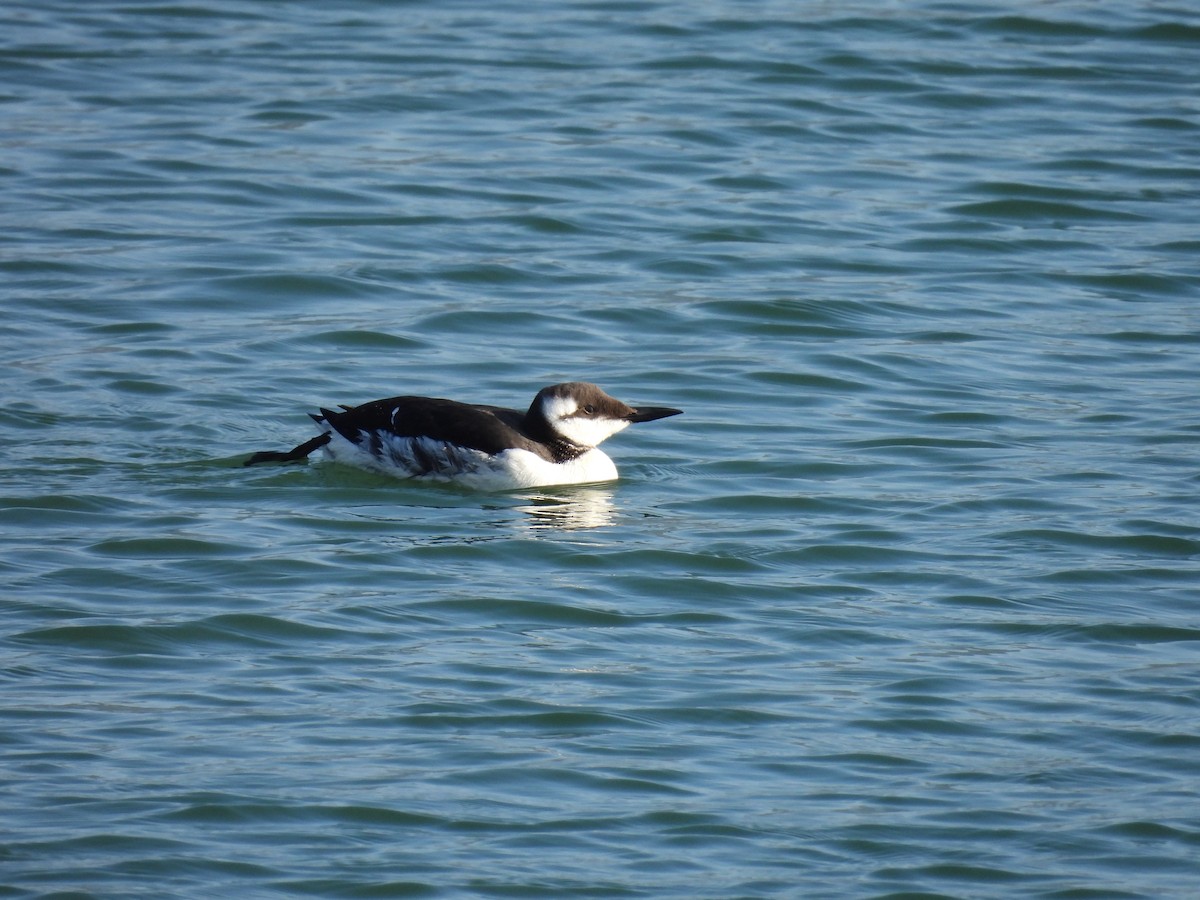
907, 603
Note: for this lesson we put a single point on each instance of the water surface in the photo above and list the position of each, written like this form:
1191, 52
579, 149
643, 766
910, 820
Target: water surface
906, 603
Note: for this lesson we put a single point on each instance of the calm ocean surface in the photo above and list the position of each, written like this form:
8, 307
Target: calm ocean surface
906, 604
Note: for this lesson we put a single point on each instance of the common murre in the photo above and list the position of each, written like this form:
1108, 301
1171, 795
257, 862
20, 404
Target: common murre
489, 447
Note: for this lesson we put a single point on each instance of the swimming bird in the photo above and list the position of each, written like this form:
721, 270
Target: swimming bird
554, 442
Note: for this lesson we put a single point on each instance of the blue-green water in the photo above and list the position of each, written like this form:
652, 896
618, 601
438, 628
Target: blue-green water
907, 602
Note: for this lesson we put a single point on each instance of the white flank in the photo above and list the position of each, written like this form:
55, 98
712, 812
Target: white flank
429, 460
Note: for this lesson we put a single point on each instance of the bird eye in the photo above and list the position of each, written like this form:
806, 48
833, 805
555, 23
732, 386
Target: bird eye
589, 410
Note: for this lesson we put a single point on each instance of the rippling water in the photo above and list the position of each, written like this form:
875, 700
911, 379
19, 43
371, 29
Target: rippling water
907, 602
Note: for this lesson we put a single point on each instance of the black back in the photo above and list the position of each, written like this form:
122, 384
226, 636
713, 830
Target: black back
490, 429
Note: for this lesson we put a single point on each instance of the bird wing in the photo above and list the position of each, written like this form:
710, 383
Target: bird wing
490, 429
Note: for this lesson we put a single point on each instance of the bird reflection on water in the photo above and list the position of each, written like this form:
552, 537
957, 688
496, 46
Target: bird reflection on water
575, 510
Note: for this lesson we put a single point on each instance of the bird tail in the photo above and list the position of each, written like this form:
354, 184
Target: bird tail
294, 455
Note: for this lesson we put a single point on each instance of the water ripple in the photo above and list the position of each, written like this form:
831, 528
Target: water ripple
904, 604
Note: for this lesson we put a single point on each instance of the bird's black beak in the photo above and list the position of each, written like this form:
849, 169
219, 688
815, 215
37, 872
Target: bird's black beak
650, 413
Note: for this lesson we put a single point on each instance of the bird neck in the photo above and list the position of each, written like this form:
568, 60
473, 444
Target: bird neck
561, 449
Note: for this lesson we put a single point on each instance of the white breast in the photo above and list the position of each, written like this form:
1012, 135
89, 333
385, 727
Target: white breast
529, 470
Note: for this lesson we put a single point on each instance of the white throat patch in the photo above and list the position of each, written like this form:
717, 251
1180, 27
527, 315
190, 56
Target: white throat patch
574, 424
